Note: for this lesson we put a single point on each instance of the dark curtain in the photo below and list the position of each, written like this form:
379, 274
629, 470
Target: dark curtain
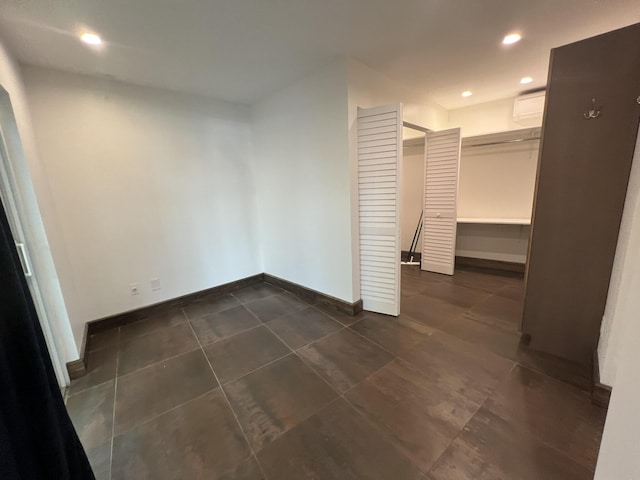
37, 439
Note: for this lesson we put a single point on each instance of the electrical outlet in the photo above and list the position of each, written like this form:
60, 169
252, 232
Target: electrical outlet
155, 284
134, 289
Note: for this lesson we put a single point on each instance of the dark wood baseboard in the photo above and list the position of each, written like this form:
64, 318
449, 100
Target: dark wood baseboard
134, 315
417, 256
600, 393
76, 369
314, 296
490, 264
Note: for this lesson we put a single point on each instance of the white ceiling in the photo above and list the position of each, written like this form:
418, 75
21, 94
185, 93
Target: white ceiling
241, 50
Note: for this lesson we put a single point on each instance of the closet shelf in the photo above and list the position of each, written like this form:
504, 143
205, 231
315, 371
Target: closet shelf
496, 221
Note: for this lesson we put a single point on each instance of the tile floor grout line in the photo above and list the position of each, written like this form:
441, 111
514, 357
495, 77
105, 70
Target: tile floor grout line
115, 393
99, 349
480, 406
254, 370
224, 394
331, 387
150, 317
186, 315
580, 391
205, 345
382, 432
274, 318
248, 301
541, 439
435, 331
291, 350
482, 346
332, 317
170, 409
342, 394
342, 327
370, 340
268, 328
385, 435
181, 404
334, 389
264, 324
321, 378
145, 333
309, 305
173, 357
305, 363
395, 359
89, 388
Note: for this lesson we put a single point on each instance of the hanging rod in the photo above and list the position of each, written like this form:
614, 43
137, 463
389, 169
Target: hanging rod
415, 127
502, 142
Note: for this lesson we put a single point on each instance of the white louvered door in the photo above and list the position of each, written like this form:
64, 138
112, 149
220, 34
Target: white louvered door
379, 167
442, 159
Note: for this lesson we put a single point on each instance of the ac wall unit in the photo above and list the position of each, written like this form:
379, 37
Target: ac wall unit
528, 109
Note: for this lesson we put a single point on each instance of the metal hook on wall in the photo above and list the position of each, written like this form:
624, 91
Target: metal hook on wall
593, 112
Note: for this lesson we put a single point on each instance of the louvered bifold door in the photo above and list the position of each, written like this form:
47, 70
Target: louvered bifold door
442, 159
379, 167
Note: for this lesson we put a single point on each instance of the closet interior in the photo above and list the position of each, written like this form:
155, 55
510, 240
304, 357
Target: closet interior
497, 174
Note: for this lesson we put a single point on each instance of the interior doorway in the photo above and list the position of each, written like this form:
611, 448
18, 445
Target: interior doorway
380, 203
430, 195
440, 200
412, 193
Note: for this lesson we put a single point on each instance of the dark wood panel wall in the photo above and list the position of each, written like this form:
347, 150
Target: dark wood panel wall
581, 186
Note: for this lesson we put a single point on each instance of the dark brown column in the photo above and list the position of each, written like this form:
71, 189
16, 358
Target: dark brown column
581, 186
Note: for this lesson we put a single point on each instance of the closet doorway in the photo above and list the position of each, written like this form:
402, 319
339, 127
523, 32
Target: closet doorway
380, 171
429, 198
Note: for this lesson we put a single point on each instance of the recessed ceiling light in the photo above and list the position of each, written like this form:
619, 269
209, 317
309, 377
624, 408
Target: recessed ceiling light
526, 80
91, 38
467, 93
511, 38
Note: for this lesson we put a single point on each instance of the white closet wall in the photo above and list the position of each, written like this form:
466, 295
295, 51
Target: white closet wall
497, 181
495, 200
412, 194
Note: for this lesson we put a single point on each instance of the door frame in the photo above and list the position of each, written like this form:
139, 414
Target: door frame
18, 217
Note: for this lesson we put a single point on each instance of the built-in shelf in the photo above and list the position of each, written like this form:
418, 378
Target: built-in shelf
496, 221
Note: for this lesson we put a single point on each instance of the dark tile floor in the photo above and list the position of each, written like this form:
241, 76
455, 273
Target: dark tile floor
259, 384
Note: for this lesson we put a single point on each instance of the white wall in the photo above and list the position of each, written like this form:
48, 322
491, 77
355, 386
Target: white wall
494, 242
623, 302
146, 184
302, 168
34, 199
498, 181
368, 88
618, 350
483, 118
506, 243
